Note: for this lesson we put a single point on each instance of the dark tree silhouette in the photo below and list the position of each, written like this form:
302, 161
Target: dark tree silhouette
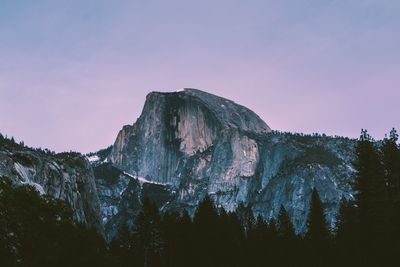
318, 234
39, 231
148, 242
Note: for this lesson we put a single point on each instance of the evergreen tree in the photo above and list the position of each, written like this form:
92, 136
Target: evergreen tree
390, 159
206, 233
371, 199
318, 231
391, 163
121, 247
39, 231
285, 226
181, 252
257, 233
286, 239
317, 225
231, 239
346, 238
148, 242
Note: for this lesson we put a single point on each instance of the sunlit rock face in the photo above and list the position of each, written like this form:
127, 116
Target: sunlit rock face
65, 176
193, 143
177, 127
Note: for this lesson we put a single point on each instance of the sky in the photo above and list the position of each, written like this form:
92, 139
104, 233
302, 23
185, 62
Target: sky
72, 73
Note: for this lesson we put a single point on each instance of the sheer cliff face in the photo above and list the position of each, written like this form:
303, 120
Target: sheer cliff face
175, 127
66, 176
196, 143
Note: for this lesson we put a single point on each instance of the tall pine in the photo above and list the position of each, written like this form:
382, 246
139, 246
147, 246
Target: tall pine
317, 225
391, 160
206, 233
148, 240
286, 239
318, 234
371, 199
391, 163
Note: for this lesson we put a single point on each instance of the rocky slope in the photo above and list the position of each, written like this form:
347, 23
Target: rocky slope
190, 143
66, 176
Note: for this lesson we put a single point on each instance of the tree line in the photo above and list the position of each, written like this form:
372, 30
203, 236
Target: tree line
37, 231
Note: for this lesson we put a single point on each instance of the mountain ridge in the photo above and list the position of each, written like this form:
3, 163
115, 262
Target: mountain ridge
184, 140
184, 146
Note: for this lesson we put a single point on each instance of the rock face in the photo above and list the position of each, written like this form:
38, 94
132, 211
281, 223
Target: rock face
184, 146
121, 194
66, 176
175, 127
193, 143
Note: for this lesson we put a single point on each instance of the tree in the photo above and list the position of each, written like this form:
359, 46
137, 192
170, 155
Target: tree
390, 157
256, 241
39, 231
287, 239
347, 236
371, 198
122, 247
317, 225
148, 242
318, 231
391, 161
285, 226
206, 233
178, 233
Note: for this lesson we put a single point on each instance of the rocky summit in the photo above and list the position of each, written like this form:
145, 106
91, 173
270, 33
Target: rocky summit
187, 144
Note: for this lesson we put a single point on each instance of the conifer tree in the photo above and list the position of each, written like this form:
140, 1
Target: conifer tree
317, 225
286, 239
285, 226
121, 247
371, 198
148, 240
391, 163
346, 236
206, 232
318, 231
390, 159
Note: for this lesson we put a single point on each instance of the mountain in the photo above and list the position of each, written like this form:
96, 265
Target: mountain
65, 176
189, 143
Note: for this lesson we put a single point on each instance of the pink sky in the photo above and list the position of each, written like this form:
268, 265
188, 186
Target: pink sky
72, 74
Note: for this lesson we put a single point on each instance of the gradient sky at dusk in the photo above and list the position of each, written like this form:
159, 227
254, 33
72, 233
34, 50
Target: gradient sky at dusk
72, 73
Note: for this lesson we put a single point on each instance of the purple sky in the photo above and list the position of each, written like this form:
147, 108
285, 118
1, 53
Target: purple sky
73, 72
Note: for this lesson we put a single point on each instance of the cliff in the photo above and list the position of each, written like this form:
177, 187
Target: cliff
193, 143
65, 176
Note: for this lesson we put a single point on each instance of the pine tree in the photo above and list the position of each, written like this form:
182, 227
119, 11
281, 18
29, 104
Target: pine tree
148, 241
391, 162
121, 246
390, 159
346, 238
318, 231
287, 240
317, 225
285, 226
257, 241
206, 233
250, 233
186, 237
39, 231
371, 198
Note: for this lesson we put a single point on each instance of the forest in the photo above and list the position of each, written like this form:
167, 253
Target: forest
39, 231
